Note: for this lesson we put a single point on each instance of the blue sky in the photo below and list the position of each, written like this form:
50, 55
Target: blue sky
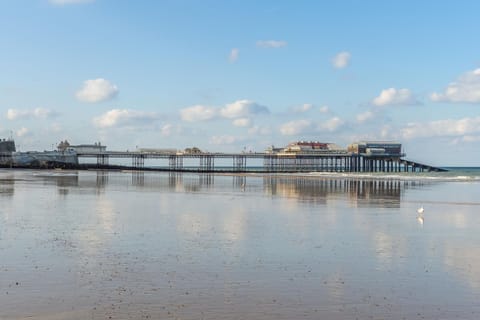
242, 75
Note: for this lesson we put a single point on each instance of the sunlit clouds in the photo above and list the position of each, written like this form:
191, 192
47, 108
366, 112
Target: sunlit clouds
442, 128
223, 140
341, 60
466, 89
38, 113
365, 116
304, 126
271, 44
295, 127
242, 108
233, 56
242, 122
332, 124
23, 132
235, 110
124, 118
392, 96
97, 90
198, 113
302, 108
324, 109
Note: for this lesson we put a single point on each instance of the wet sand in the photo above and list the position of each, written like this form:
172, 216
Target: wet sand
99, 245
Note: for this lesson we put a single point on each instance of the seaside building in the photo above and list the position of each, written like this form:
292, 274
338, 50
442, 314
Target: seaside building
157, 150
97, 147
380, 148
45, 159
307, 147
7, 146
273, 150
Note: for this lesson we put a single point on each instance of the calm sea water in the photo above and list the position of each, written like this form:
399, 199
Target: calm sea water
132, 245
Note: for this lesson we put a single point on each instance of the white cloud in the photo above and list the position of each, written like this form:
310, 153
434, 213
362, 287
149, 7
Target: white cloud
466, 139
97, 90
303, 108
385, 132
341, 59
198, 113
65, 2
233, 57
166, 130
123, 118
442, 128
295, 127
366, 116
465, 89
222, 140
271, 44
242, 122
392, 96
239, 109
324, 109
14, 114
332, 125
23, 132
39, 113
471, 138
55, 128
257, 130
242, 108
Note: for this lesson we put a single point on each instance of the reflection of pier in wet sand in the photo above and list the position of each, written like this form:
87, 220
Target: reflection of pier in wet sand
110, 244
384, 193
362, 192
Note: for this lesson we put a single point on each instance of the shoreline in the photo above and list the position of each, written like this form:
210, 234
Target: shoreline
471, 174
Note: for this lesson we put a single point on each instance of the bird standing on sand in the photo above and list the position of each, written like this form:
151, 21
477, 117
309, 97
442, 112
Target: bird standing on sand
420, 215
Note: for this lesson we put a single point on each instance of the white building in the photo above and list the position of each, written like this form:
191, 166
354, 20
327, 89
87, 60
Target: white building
376, 148
97, 147
311, 147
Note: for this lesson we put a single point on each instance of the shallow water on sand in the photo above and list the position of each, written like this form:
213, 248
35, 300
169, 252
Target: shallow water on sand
129, 245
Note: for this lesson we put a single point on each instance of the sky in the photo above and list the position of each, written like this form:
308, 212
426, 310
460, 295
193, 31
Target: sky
231, 76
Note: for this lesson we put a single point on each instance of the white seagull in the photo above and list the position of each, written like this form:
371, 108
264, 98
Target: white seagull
420, 220
420, 215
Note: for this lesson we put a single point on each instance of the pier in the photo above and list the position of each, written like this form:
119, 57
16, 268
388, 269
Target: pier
242, 162
300, 156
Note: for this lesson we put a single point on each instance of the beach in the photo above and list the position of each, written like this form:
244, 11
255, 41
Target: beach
151, 245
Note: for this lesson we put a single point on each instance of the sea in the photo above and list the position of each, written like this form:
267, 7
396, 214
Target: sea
168, 245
